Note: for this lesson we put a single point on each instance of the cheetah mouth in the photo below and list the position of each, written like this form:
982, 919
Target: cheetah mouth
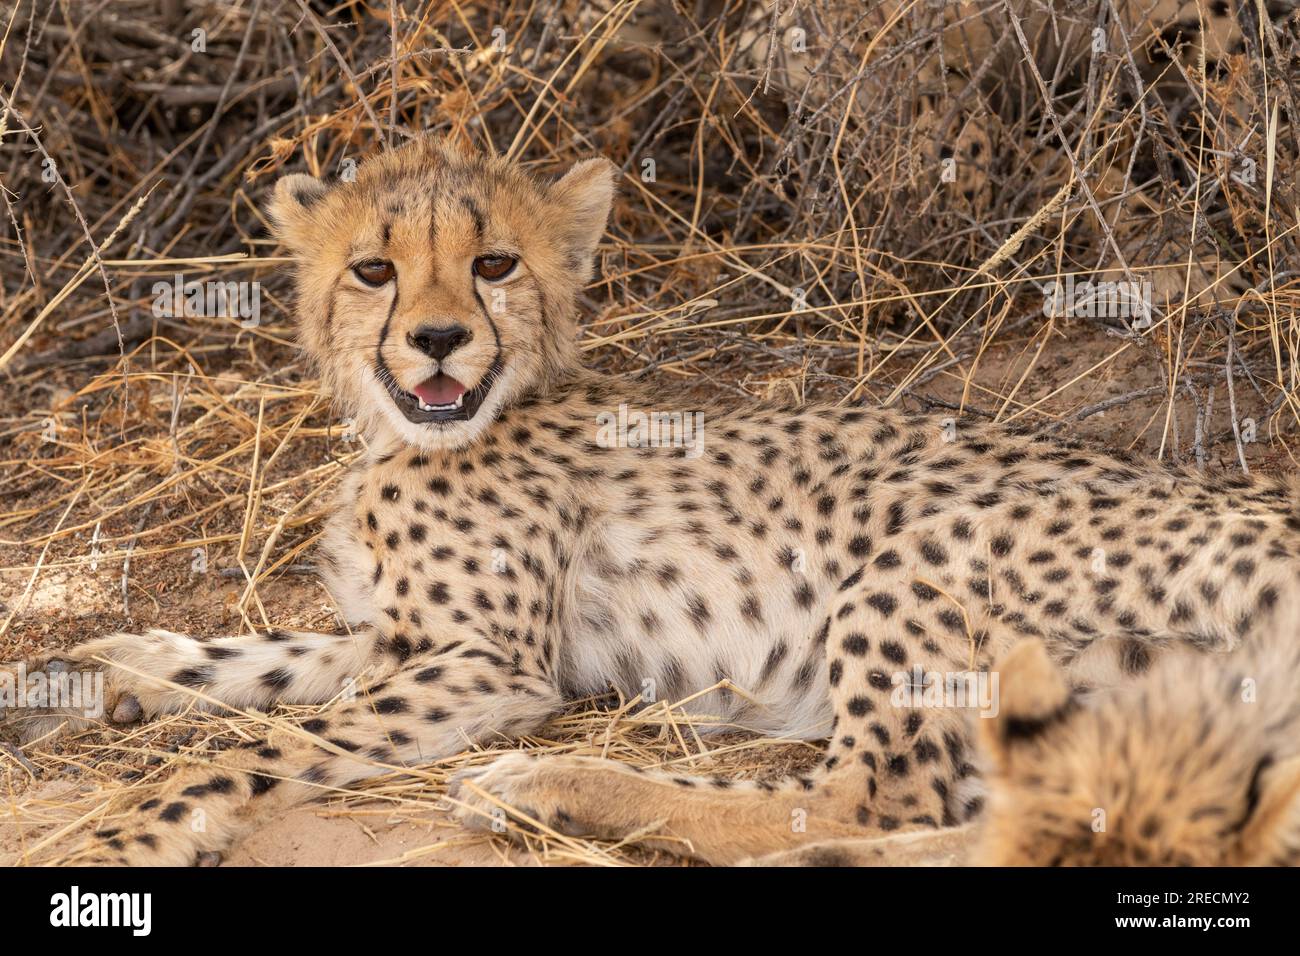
441, 398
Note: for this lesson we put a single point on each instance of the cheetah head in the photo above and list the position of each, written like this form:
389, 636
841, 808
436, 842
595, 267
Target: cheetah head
437, 286
1173, 770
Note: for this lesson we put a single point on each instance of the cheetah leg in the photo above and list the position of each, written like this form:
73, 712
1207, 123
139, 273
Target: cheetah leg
440, 703
721, 822
157, 672
951, 846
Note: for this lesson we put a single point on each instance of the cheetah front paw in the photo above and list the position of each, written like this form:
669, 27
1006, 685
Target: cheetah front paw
145, 837
70, 690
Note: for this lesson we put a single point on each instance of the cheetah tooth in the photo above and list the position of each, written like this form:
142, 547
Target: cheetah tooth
426, 407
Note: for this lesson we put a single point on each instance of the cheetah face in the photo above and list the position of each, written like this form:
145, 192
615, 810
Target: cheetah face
437, 287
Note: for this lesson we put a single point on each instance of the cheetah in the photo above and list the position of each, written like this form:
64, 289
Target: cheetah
1195, 763
492, 556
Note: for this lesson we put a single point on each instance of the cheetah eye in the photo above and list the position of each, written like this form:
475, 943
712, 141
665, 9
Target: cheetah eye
493, 268
375, 272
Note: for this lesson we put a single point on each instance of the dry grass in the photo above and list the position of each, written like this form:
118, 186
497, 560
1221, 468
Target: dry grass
797, 239
119, 767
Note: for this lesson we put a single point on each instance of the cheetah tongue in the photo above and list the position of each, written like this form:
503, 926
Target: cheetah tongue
440, 390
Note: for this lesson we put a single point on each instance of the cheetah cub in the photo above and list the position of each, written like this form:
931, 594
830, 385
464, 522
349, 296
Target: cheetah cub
1196, 763
496, 554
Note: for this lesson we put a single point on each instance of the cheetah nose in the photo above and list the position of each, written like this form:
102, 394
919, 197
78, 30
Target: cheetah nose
438, 343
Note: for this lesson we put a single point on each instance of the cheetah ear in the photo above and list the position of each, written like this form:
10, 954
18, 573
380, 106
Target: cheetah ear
290, 208
1275, 821
582, 197
1032, 696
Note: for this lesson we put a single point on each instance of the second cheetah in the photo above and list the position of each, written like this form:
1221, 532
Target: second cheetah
493, 556
1194, 763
